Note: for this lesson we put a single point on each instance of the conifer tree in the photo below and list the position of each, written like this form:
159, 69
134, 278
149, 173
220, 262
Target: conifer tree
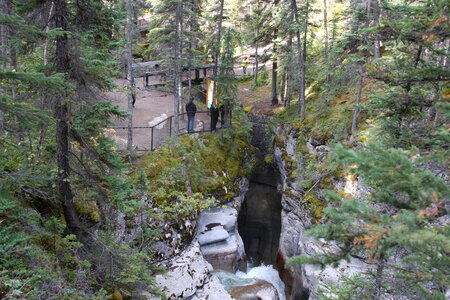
412, 70
130, 75
407, 229
226, 79
78, 175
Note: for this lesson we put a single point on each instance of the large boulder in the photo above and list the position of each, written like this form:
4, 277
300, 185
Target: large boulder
189, 275
260, 290
221, 244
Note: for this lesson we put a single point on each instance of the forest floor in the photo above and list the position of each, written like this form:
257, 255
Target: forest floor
257, 100
150, 104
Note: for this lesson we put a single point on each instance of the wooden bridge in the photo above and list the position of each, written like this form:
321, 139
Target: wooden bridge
197, 78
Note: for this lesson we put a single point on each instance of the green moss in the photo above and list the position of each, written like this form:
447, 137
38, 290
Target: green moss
279, 141
213, 163
292, 175
311, 201
268, 159
327, 183
314, 204
290, 194
288, 159
87, 209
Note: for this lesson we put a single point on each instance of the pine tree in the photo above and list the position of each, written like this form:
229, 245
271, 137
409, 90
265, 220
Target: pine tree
78, 175
226, 79
413, 69
408, 224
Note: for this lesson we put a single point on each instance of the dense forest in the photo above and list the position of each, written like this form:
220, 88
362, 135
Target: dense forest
82, 217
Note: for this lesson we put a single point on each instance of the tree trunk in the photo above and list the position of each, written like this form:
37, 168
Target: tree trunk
178, 71
255, 74
47, 28
301, 100
304, 45
326, 50
274, 80
7, 32
285, 91
379, 276
376, 19
275, 62
358, 99
325, 27
5, 8
289, 75
219, 40
282, 88
129, 34
62, 114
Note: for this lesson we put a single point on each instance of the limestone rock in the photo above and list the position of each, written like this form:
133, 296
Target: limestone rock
224, 255
157, 120
188, 274
221, 244
260, 290
212, 290
216, 234
303, 281
216, 216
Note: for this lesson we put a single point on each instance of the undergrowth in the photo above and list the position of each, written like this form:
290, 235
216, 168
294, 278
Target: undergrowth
199, 171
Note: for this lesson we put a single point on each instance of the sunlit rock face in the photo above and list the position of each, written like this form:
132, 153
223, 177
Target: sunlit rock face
297, 216
189, 276
258, 290
219, 239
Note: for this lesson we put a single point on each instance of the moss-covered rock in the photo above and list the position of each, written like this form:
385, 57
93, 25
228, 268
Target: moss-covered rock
206, 165
314, 204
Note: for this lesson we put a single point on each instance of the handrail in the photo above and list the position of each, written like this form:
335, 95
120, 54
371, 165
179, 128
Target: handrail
169, 118
153, 126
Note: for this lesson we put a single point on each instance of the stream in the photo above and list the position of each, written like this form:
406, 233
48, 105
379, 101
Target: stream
259, 224
267, 273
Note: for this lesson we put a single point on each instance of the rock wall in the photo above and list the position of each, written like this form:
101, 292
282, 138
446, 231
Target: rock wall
218, 236
302, 282
216, 245
189, 277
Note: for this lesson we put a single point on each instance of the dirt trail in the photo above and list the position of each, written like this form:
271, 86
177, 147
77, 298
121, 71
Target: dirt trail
150, 104
154, 105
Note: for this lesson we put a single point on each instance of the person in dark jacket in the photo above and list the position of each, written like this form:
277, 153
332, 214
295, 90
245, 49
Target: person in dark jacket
133, 91
191, 109
214, 117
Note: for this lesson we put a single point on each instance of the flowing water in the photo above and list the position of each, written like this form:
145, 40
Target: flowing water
267, 273
259, 222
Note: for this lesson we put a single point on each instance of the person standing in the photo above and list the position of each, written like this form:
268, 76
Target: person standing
191, 109
245, 64
133, 91
214, 117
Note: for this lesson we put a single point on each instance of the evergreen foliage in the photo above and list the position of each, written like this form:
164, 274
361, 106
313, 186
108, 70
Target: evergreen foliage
397, 217
63, 185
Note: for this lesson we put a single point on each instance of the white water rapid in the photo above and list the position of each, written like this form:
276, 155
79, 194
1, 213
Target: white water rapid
267, 273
